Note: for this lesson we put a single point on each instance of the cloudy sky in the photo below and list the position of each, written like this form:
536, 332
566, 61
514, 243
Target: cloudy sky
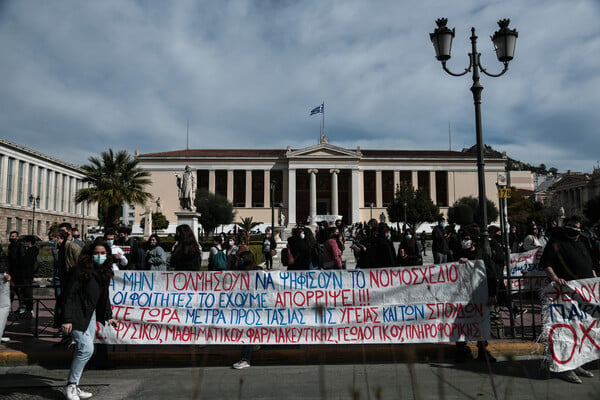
80, 77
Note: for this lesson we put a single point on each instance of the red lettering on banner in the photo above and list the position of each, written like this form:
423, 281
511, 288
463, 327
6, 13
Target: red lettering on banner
551, 342
587, 335
122, 313
360, 315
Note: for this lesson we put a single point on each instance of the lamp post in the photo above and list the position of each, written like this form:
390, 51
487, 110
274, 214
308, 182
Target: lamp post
405, 213
273, 183
35, 202
504, 42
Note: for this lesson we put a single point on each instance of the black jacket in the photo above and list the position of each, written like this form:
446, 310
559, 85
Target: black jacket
83, 298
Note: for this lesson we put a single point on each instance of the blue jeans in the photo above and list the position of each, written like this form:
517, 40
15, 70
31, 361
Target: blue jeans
4, 303
84, 349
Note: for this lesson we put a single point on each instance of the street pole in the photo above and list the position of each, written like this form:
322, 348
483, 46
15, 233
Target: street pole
504, 41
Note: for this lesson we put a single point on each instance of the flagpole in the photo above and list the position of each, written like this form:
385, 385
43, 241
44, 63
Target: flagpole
323, 107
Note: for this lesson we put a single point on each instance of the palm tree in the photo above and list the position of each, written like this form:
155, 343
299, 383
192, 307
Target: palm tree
247, 224
115, 178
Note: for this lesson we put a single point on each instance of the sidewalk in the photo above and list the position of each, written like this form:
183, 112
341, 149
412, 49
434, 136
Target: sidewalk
26, 349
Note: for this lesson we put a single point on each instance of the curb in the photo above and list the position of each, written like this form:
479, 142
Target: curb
209, 356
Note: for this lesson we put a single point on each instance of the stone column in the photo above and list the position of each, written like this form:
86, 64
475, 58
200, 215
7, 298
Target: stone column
230, 185
291, 197
415, 179
334, 191
3, 178
355, 191
378, 189
267, 189
211, 181
313, 193
432, 186
396, 181
248, 188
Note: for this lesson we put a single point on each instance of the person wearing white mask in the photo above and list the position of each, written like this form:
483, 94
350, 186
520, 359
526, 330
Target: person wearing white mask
87, 300
118, 254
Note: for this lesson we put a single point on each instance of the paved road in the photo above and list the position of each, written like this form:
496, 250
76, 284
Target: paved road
521, 379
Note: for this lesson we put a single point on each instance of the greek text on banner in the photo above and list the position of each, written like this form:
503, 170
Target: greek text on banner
440, 303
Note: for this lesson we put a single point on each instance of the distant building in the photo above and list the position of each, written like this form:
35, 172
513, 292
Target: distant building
318, 181
574, 189
27, 174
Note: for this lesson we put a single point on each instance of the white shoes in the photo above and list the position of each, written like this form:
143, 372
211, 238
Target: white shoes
5, 339
71, 392
74, 392
241, 364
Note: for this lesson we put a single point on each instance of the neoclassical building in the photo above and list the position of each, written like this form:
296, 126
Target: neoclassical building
28, 177
320, 180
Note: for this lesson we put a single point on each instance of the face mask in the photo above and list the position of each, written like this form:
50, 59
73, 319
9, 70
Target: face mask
443, 224
466, 244
99, 259
153, 244
388, 236
302, 236
12, 240
110, 242
572, 231
409, 236
231, 242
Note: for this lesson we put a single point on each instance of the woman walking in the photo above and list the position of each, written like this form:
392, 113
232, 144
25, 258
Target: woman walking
87, 300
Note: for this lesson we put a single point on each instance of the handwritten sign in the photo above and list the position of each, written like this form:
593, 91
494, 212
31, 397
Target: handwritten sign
571, 317
441, 303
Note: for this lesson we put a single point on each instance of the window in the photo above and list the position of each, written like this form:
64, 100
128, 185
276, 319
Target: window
387, 187
8, 225
277, 176
56, 179
19, 226
221, 183
423, 182
406, 178
369, 187
239, 188
258, 188
441, 188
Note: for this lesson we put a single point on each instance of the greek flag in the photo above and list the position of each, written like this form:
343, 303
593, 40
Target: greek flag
317, 110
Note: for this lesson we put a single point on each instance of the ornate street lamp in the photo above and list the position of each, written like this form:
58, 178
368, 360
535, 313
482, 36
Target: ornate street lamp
35, 202
504, 42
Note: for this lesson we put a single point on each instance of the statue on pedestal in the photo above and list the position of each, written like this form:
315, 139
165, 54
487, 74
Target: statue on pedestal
187, 189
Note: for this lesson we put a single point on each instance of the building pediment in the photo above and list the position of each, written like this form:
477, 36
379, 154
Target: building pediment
571, 181
323, 150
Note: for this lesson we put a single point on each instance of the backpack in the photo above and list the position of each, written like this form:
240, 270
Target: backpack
220, 260
316, 257
287, 258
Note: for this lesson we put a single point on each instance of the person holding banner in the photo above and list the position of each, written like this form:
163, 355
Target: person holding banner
246, 262
567, 257
87, 300
471, 251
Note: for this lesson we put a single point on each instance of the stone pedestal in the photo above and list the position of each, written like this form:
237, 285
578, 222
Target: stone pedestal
189, 218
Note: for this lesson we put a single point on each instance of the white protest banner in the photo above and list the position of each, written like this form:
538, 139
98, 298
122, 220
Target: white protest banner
571, 330
441, 303
525, 271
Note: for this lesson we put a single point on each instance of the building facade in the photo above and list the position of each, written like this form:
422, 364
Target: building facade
37, 191
573, 190
317, 181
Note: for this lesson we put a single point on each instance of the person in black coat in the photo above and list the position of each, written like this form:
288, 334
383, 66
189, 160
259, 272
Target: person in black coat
87, 301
